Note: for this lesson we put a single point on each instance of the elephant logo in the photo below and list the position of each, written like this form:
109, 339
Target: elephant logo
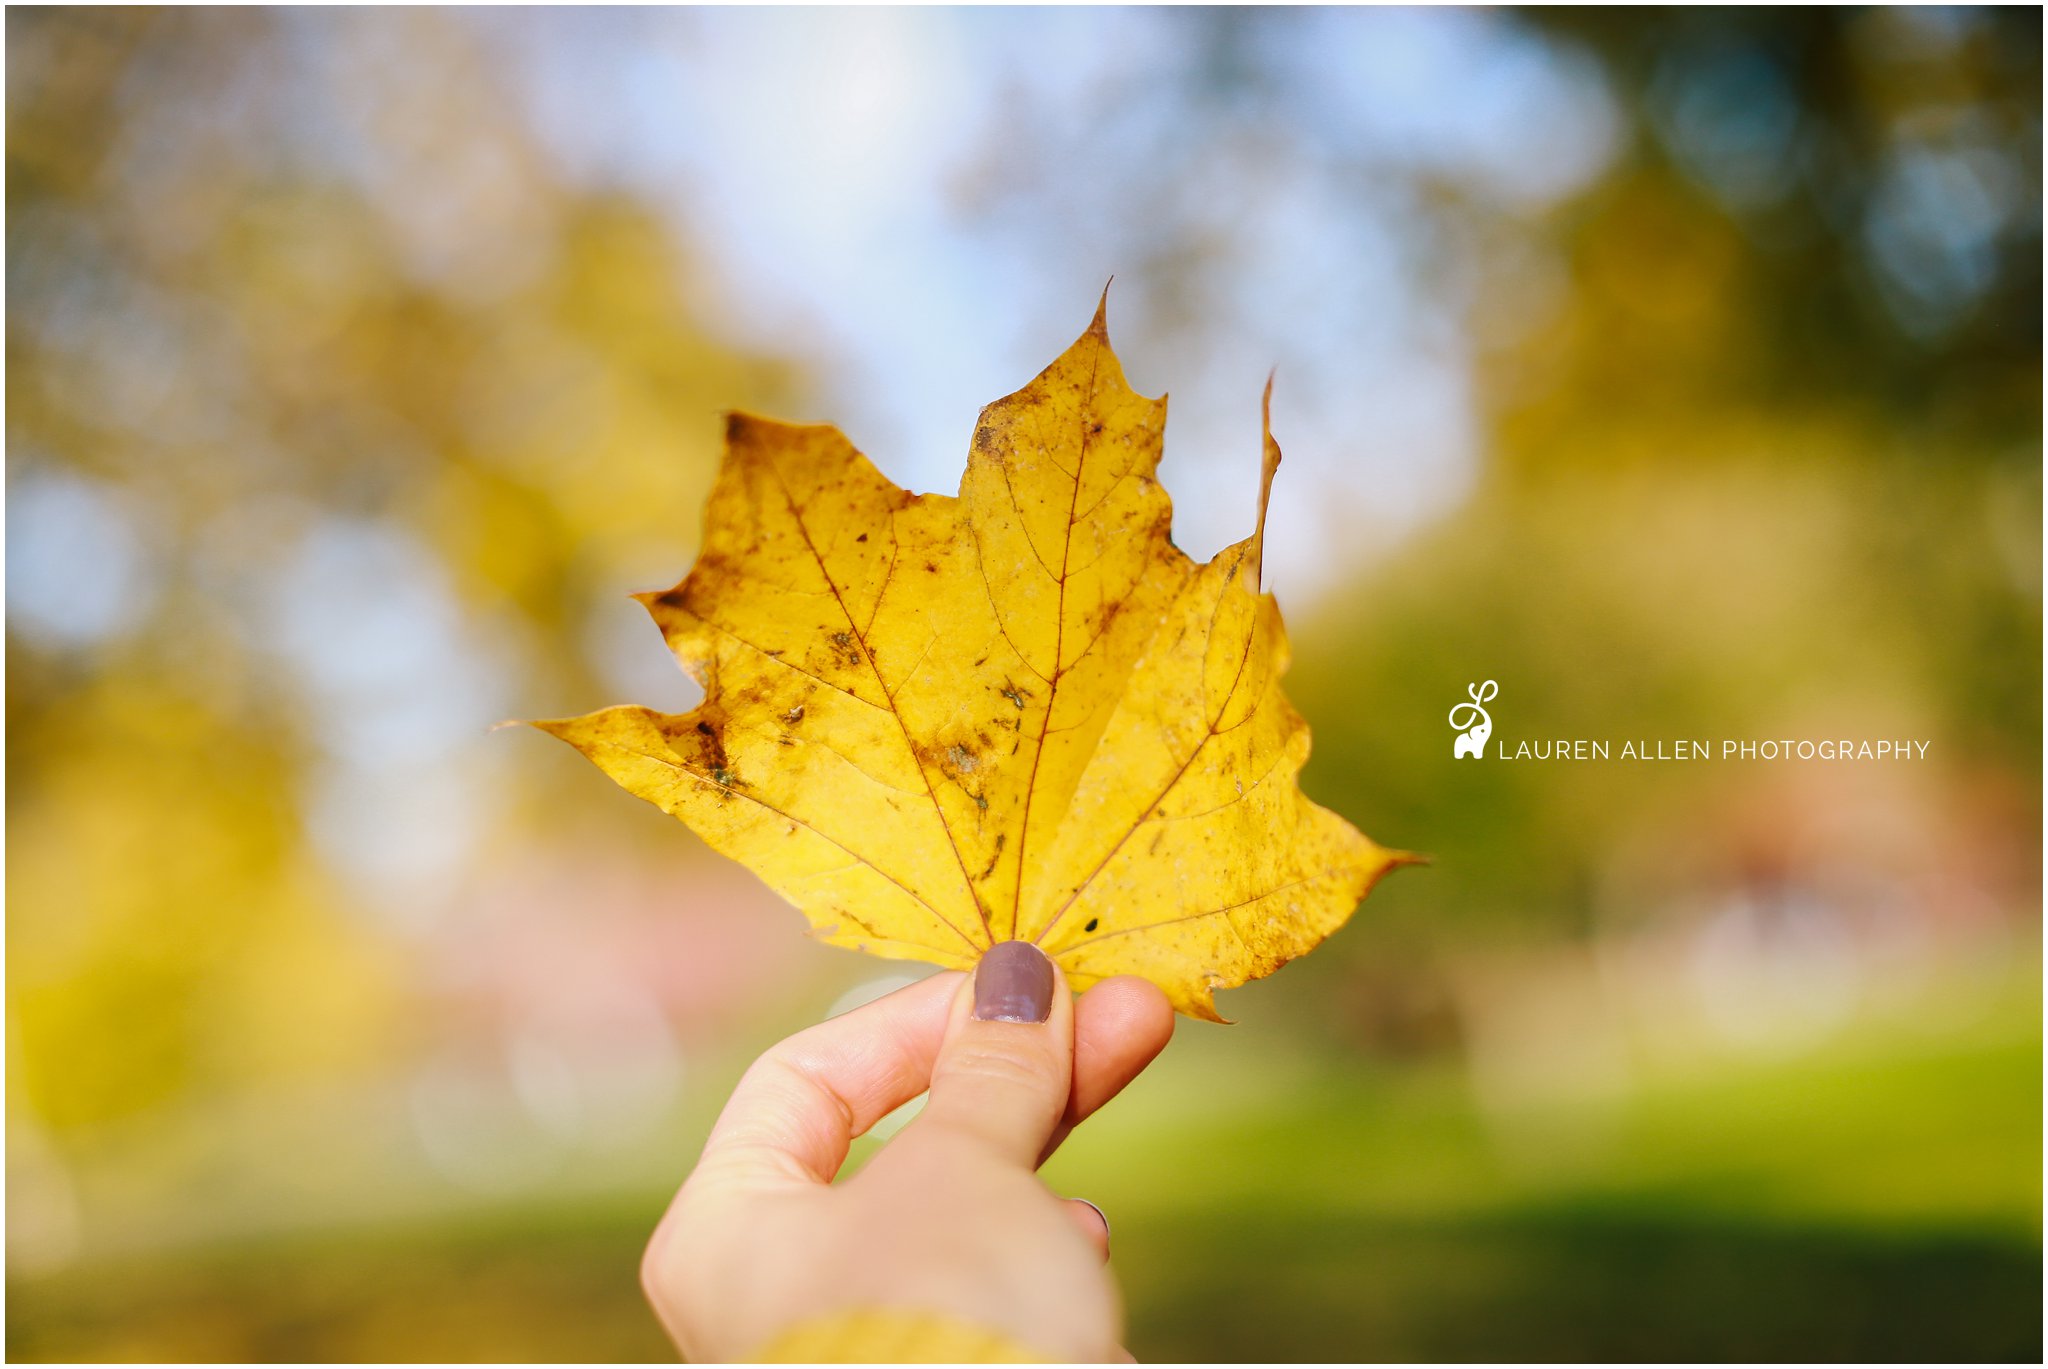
1473, 724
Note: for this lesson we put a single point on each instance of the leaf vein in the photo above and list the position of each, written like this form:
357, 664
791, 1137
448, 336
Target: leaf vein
1058, 642
673, 763
867, 653
1210, 912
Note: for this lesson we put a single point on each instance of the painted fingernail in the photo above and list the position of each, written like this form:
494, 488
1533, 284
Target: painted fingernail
1013, 983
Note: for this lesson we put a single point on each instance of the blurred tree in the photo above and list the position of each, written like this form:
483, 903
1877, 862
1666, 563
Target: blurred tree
1858, 192
340, 414
326, 395
1767, 464
1751, 306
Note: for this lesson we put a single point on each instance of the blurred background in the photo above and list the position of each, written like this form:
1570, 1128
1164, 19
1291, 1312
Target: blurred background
1680, 371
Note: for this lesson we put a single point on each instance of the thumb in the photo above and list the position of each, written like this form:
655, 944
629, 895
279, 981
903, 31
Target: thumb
1006, 1066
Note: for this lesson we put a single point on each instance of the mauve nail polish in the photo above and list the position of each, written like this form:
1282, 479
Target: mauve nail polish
1013, 983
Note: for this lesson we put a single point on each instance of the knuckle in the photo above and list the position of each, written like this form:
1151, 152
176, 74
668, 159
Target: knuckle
678, 1280
671, 1265
661, 1263
995, 1066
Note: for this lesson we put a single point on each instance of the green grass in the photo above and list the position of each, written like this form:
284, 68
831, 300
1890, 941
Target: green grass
1877, 1200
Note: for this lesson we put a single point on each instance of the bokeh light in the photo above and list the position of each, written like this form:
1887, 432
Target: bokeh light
1680, 370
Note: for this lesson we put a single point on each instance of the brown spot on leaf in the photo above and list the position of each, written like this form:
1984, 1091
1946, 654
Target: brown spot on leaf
1031, 452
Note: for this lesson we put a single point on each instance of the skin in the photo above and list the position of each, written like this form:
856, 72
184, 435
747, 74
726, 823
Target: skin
950, 1217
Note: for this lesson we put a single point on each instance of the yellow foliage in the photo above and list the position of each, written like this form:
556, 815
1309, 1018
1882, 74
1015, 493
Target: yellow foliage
934, 723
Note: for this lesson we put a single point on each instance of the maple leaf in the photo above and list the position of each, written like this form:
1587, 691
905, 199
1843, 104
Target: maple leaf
934, 723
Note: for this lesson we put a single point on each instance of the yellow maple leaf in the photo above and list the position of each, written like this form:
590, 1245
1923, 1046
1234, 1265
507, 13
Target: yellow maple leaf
934, 723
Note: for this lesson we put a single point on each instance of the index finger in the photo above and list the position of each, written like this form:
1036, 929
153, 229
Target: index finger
798, 1108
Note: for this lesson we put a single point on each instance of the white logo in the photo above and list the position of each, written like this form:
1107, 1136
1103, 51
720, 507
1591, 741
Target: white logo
1472, 722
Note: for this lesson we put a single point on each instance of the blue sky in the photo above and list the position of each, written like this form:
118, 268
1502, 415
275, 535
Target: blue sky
834, 170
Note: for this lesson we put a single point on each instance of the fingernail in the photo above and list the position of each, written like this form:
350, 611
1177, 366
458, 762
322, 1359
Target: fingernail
1105, 1219
1013, 983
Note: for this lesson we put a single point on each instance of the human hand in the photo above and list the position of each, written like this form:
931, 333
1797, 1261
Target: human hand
949, 1217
